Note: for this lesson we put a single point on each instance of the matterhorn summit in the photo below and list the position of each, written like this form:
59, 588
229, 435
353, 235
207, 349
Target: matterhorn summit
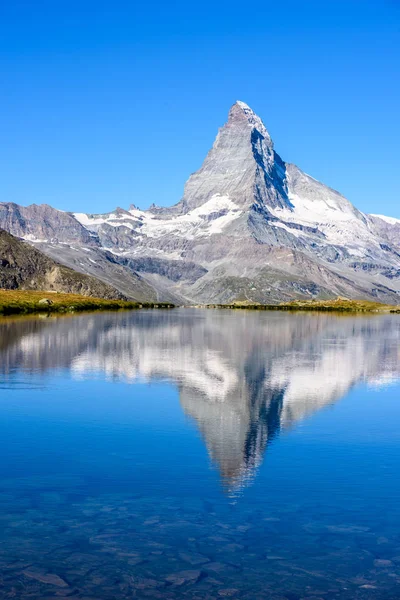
242, 111
249, 227
242, 164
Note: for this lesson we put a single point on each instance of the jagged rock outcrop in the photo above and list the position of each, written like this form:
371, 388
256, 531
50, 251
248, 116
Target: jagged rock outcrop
249, 227
42, 222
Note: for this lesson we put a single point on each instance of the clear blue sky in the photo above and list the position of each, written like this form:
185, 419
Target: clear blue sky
107, 103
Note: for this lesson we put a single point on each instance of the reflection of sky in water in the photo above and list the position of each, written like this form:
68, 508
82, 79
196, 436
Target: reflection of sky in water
149, 412
241, 377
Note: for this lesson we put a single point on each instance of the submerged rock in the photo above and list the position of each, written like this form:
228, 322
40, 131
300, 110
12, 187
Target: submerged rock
382, 563
183, 577
50, 578
193, 558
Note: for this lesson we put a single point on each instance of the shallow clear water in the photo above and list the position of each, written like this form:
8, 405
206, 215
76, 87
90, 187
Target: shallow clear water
200, 454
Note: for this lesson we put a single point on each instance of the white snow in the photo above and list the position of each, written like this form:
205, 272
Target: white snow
336, 219
31, 238
252, 118
243, 105
194, 223
190, 225
390, 220
322, 209
292, 231
89, 220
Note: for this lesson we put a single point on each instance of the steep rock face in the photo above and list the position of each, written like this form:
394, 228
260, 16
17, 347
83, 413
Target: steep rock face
388, 230
43, 223
241, 165
249, 227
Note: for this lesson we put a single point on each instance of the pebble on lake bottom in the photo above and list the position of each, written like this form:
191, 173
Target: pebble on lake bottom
112, 546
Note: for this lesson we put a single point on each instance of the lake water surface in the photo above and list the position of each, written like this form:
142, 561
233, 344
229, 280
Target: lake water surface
200, 454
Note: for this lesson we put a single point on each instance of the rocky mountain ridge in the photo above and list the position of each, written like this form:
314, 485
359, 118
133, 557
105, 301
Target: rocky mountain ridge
249, 227
26, 268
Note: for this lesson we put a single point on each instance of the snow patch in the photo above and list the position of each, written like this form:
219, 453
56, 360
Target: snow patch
31, 238
198, 222
390, 220
290, 230
336, 219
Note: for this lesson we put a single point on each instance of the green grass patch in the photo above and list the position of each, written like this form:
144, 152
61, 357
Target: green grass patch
343, 305
13, 302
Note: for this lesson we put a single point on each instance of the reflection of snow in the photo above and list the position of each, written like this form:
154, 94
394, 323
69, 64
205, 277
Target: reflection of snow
312, 382
208, 373
242, 377
384, 380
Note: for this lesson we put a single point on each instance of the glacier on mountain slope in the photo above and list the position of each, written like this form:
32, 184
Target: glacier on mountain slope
195, 223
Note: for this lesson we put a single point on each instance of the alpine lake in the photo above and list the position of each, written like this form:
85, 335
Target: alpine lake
200, 454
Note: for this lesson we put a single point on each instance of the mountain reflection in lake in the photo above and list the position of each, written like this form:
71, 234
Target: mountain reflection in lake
105, 491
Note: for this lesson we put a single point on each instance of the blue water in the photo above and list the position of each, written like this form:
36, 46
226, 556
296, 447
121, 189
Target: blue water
200, 454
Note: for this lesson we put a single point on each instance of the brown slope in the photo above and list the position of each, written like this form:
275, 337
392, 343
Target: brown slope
23, 267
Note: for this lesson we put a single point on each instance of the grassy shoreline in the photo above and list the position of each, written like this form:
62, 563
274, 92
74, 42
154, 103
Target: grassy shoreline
342, 305
21, 302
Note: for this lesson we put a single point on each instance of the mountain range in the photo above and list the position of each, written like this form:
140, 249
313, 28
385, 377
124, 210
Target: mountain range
24, 267
249, 227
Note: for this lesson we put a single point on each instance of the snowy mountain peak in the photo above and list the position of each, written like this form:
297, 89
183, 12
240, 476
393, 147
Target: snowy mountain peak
243, 105
240, 111
241, 165
249, 227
